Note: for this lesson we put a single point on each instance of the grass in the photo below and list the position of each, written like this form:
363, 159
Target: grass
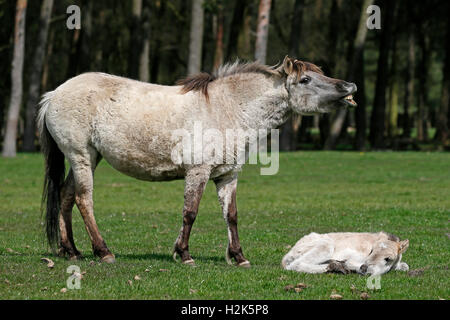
403, 193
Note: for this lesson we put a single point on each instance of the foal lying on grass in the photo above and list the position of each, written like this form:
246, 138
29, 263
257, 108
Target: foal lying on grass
346, 252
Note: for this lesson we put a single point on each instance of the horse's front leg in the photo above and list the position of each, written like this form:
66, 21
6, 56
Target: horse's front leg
195, 182
226, 191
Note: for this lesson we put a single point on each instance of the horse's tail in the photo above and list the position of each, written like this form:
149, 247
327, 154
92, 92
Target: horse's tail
54, 174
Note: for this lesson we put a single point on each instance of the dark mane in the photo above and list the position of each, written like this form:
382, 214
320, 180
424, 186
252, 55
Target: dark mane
197, 82
200, 82
391, 237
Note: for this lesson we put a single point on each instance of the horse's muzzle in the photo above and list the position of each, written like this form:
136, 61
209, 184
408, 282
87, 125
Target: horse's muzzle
349, 89
363, 269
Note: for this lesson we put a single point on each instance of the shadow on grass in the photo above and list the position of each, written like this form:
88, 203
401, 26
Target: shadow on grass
166, 257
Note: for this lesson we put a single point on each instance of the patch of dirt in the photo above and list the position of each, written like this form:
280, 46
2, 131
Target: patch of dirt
297, 288
289, 287
364, 296
416, 272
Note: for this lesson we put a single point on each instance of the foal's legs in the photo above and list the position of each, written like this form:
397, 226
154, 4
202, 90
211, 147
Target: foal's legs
66, 243
226, 191
300, 266
311, 260
83, 166
195, 182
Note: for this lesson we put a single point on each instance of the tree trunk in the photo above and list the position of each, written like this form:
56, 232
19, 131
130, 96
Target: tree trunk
135, 40
237, 22
35, 77
360, 110
422, 125
144, 55
99, 63
442, 130
218, 54
392, 116
9, 143
196, 37
329, 68
245, 36
393, 96
409, 92
358, 49
86, 34
74, 55
7, 30
288, 135
377, 119
45, 71
296, 28
324, 128
301, 126
393, 109
160, 9
262, 32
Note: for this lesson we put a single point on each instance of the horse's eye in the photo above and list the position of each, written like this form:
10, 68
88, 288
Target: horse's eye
387, 259
305, 80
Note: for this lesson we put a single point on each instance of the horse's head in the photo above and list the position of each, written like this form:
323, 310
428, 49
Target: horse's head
311, 92
385, 256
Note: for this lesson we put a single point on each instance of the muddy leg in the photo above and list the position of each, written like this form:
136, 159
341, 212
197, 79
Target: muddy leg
66, 242
195, 183
83, 169
226, 191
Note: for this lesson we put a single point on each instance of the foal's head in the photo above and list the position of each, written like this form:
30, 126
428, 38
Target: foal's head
385, 256
312, 92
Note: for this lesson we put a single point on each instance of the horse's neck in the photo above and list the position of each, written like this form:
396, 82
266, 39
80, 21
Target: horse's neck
262, 104
268, 113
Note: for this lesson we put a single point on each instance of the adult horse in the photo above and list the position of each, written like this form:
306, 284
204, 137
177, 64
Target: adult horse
130, 123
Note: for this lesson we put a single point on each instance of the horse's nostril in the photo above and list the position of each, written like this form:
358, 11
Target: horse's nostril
363, 268
346, 87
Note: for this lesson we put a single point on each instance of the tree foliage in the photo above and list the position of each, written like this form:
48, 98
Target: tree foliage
403, 92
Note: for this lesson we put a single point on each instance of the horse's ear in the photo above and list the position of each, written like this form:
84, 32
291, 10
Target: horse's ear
288, 65
403, 245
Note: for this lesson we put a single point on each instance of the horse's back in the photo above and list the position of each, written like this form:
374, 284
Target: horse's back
128, 122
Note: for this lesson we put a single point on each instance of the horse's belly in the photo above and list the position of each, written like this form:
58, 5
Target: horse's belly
148, 173
144, 166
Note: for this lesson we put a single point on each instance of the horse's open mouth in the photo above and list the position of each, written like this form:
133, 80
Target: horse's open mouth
348, 101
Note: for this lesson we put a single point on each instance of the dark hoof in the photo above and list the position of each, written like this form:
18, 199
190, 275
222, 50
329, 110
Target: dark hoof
70, 254
110, 258
76, 257
337, 267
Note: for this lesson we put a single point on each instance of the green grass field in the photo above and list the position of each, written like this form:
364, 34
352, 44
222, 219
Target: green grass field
407, 194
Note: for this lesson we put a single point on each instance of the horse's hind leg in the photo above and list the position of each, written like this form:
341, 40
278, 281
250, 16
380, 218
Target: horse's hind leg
66, 242
83, 166
226, 191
